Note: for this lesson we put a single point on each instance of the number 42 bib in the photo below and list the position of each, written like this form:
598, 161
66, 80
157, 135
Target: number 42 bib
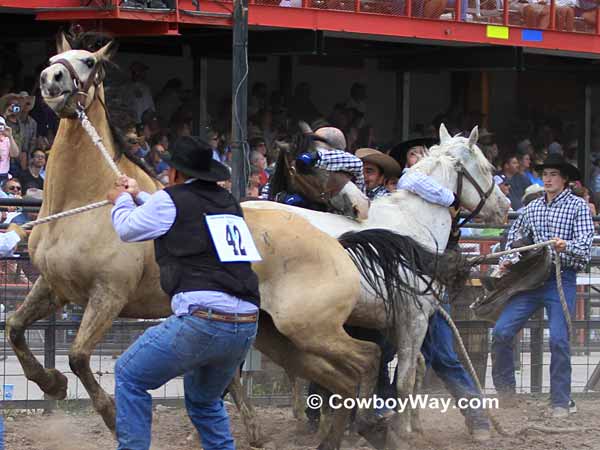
232, 238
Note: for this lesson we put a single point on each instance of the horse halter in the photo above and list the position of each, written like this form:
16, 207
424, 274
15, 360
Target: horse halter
95, 78
483, 195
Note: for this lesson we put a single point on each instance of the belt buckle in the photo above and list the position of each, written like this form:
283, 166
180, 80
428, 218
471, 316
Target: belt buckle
209, 313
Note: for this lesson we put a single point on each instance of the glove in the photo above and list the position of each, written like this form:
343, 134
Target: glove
453, 240
17, 229
306, 160
293, 200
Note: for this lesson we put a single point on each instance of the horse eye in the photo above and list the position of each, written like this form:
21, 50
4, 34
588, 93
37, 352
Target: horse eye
89, 62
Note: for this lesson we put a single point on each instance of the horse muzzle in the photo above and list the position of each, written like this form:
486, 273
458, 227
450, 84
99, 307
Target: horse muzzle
64, 104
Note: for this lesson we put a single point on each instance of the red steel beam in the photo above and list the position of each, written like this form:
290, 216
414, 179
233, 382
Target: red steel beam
33, 4
344, 21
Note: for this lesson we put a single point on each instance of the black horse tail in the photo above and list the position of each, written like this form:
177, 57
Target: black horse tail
398, 268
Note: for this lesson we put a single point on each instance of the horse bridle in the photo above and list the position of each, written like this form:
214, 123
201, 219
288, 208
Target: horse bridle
483, 195
95, 78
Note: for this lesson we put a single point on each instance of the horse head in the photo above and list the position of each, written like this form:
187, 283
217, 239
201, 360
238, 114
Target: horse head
74, 78
465, 169
322, 190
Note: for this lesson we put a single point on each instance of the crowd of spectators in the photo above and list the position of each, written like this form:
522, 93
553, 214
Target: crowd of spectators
152, 120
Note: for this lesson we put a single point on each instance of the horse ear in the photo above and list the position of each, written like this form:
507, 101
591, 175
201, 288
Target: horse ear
444, 135
62, 45
304, 127
107, 52
473, 137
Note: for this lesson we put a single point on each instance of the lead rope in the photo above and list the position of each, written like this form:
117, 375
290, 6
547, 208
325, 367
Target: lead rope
97, 140
463, 351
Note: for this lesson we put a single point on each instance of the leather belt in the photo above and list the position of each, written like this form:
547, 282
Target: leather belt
225, 317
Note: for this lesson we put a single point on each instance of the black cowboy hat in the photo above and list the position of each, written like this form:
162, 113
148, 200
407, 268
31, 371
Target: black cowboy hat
399, 151
193, 156
556, 161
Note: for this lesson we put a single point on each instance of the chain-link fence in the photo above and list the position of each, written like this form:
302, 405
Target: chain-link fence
51, 339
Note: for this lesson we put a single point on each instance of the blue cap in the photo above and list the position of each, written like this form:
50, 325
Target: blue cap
293, 199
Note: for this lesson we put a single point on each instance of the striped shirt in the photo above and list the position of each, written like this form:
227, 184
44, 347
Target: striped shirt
567, 217
425, 187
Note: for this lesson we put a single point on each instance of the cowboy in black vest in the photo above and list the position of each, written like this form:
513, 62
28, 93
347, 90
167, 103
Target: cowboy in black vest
204, 249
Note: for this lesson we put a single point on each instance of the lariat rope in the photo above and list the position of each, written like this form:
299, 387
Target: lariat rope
67, 213
97, 140
461, 346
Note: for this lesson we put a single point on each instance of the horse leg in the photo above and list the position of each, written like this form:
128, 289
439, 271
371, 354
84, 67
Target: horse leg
297, 384
254, 432
40, 303
410, 335
415, 418
324, 371
96, 321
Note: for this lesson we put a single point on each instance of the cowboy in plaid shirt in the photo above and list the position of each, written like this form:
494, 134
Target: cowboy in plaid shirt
562, 216
334, 158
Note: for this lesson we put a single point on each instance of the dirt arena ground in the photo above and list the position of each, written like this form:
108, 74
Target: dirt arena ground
172, 430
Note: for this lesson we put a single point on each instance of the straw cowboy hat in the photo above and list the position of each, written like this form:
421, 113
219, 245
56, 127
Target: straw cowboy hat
193, 157
389, 166
333, 136
557, 161
7, 100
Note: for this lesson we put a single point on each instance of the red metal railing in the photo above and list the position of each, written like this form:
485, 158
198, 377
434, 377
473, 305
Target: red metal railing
539, 14
539, 24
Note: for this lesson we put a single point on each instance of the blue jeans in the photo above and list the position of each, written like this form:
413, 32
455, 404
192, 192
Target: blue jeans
515, 315
438, 350
206, 352
1, 432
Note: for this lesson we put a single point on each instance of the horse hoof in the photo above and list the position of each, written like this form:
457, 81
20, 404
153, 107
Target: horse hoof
57, 388
375, 432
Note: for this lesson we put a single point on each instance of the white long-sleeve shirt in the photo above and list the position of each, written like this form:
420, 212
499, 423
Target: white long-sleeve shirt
152, 219
8, 242
426, 187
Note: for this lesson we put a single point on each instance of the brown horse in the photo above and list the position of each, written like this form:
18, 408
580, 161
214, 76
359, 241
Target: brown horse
321, 190
309, 286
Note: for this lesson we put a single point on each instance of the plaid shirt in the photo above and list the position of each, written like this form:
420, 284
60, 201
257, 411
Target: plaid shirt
341, 161
379, 191
567, 217
335, 161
